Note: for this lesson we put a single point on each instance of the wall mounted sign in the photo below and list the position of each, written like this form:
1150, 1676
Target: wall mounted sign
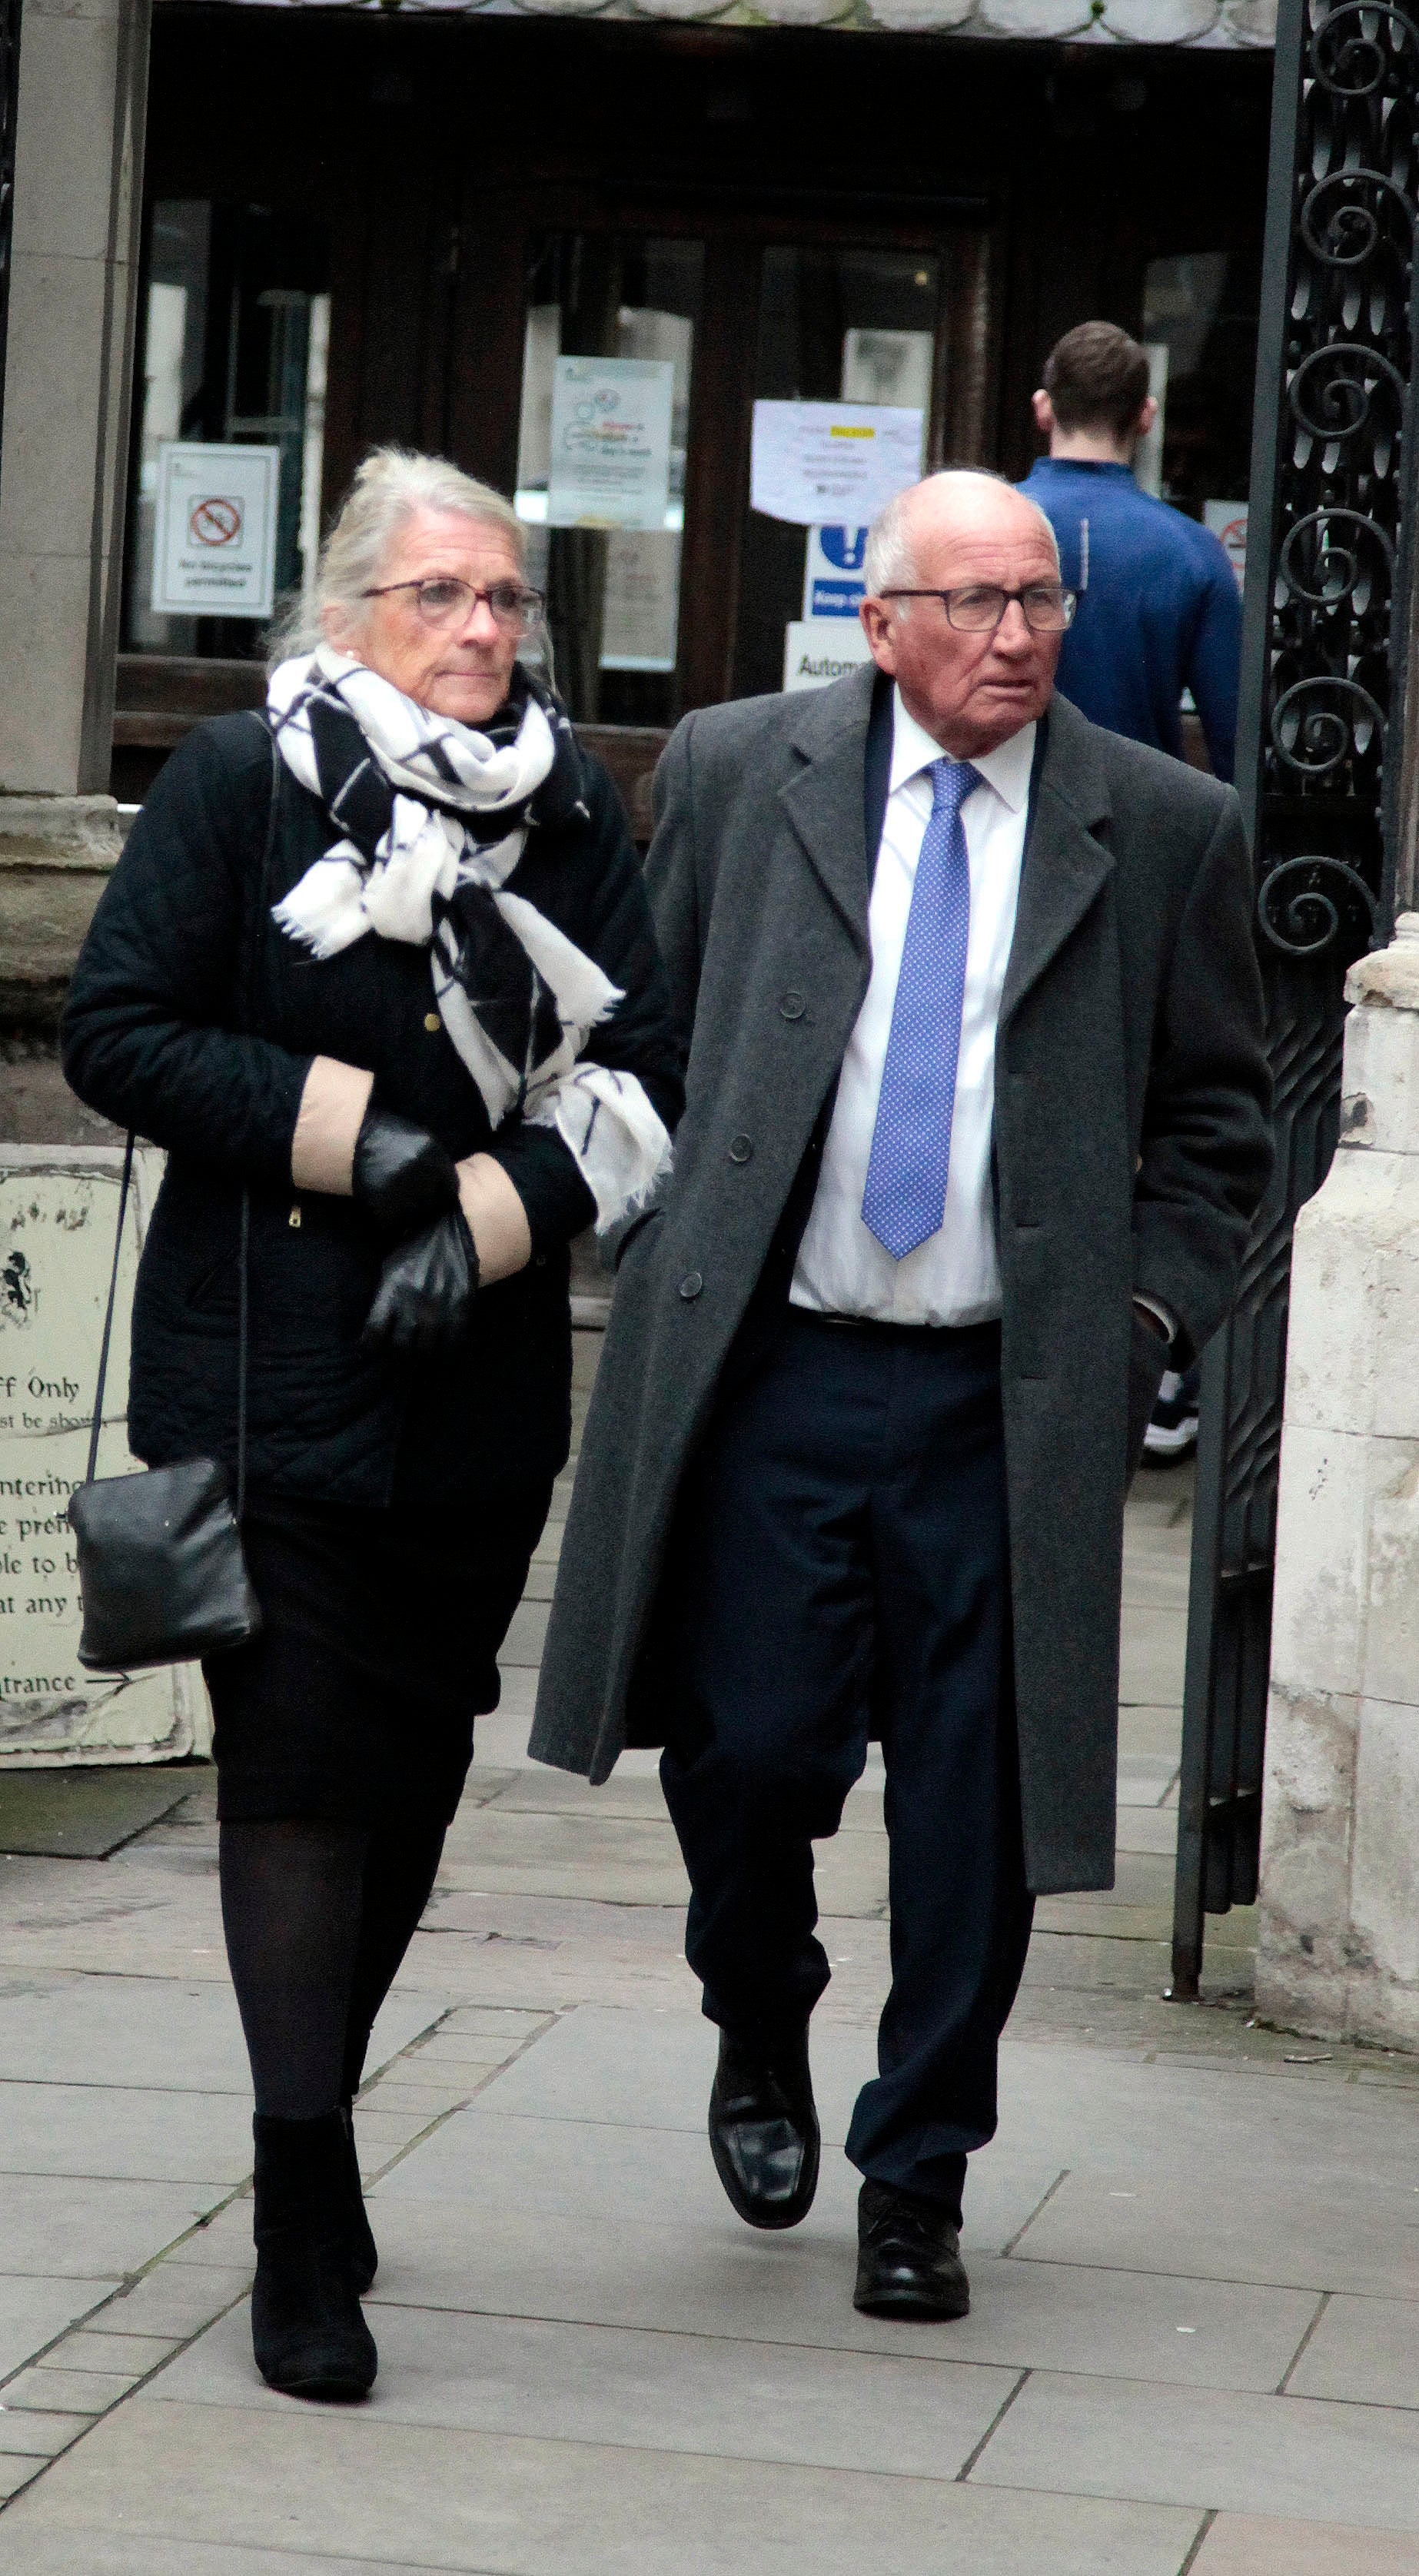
58, 1207
817, 462
610, 459
214, 541
833, 576
1228, 521
818, 650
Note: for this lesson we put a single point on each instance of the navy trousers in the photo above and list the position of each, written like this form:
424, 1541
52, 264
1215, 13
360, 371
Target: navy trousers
840, 1569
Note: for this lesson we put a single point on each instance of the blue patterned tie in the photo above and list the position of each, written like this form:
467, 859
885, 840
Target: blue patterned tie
905, 1198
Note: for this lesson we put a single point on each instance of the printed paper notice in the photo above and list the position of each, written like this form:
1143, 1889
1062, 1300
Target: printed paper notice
610, 461
817, 462
214, 551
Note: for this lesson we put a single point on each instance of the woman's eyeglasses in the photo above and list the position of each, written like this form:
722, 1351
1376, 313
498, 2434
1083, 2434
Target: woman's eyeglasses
446, 602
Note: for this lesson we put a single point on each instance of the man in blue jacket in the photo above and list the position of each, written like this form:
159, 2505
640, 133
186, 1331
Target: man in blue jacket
1159, 608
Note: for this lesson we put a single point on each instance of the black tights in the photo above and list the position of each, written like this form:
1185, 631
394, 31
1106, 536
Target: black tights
317, 1918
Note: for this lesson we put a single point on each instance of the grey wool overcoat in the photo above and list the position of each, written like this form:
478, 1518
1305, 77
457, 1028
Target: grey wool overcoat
1131, 1148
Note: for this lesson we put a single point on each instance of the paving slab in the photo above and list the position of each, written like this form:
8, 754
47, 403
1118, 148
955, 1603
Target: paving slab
522, 2166
29, 2434
570, 2249
150, 2136
654, 2070
905, 2418
76, 2392
536, 1790
105, 2553
709, 2274
174, 2034
1155, 1581
89, 2229
34, 2310
1246, 2544
1150, 1734
1144, 1779
527, 1634
1227, 2225
1148, 1829
1154, 1653
173, 2300
359, 2487
1269, 2455
84, 1813
1366, 2349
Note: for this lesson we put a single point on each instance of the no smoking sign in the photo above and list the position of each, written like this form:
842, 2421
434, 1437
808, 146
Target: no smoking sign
214, 544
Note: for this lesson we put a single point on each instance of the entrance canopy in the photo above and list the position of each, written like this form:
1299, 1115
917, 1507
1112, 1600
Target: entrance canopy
1200, 24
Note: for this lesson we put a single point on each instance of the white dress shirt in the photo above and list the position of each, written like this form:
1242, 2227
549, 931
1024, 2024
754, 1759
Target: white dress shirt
954, 1277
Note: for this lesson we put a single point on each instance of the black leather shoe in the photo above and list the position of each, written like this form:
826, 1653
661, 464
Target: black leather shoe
364, 2253
908, 2257
307, 2331
763, 2131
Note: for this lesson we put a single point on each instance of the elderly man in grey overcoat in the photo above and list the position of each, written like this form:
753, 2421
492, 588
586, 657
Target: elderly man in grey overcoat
977, 1120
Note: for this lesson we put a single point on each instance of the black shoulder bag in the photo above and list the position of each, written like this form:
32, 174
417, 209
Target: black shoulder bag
161, 1567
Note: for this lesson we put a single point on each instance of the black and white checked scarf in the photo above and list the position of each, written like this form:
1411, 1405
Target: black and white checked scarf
433, 817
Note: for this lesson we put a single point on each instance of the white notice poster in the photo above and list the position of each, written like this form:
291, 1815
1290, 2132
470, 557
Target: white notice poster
214, 541
610, 463
817, 462
818, 650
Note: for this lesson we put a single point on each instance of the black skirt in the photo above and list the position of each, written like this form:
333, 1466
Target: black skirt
379, 1648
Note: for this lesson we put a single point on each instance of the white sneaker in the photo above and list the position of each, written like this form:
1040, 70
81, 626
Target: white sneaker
1173, 1429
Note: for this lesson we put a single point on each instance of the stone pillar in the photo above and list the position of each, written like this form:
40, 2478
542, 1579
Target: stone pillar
1339, 1905
83, 74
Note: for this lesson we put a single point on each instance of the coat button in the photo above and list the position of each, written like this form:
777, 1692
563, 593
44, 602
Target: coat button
793, 1006
432, 1023
740, 1149
691, 1284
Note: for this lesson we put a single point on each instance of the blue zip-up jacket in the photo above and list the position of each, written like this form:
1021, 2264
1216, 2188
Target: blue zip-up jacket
1160, 612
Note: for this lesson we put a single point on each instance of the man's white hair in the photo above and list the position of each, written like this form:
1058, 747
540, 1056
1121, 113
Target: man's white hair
890, 560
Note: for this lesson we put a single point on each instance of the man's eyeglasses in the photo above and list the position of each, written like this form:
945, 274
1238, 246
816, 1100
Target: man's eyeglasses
1047, 607
446, 602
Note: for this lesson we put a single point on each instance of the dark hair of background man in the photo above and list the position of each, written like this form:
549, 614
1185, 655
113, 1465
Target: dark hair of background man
1097, 377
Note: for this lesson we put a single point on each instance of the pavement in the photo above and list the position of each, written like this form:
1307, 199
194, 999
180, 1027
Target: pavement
1194, 2246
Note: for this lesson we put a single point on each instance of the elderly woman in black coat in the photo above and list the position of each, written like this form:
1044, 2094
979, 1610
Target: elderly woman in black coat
377, 966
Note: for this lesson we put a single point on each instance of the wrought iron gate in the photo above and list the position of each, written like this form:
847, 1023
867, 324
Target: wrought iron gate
1324, 773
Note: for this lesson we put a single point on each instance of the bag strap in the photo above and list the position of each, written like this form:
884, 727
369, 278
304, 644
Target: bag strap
244, 1263
258, 923
108, 1314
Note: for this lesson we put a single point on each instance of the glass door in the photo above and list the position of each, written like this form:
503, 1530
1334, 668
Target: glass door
234, 341
859, 326
608, 362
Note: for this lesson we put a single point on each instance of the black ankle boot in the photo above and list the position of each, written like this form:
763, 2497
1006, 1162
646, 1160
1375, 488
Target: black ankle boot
364, 2253
307, 2331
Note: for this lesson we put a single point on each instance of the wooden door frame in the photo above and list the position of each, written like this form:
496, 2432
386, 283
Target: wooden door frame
496, 230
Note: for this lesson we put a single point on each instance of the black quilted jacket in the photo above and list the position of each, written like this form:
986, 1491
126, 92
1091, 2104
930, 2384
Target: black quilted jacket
181, 961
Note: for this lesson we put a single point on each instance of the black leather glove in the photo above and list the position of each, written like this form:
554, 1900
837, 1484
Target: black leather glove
426, 1289
401, 1174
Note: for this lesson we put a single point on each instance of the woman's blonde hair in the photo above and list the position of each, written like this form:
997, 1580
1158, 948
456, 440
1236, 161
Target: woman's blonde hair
390, 485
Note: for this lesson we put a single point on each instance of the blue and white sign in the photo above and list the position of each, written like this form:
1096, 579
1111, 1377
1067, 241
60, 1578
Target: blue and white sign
833, 579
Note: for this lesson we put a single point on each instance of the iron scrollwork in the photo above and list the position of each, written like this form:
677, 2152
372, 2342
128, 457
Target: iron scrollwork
1319, 754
